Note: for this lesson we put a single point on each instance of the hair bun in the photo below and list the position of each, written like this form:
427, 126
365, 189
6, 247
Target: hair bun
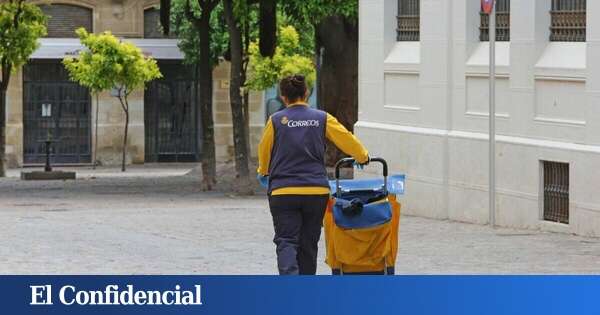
293, 87
298, 80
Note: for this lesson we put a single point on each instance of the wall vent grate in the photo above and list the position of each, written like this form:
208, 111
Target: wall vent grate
556, 191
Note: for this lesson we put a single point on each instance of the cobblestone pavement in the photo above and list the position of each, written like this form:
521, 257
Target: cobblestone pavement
155, 220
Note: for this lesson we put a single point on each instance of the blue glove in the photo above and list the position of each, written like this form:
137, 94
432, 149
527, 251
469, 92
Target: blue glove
361, 166
263, 180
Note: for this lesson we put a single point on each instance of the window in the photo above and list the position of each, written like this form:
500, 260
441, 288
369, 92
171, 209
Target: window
502, 23
568, 21
64, 19
408, 20
556, 191
152, 27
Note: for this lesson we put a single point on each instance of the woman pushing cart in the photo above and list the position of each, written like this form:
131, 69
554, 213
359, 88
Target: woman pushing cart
291, 157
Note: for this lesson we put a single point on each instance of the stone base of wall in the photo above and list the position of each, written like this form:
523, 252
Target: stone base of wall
450, 180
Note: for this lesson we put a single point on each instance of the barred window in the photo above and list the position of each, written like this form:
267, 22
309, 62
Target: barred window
502, 23
556, 191
408, 20
568, 21
64, 19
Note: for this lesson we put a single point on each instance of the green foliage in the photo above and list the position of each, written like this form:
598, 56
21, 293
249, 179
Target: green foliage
134, 69
312, 11
96, 67
188, 33
108, 62
18, 43
306, 32
264, 72
246, 14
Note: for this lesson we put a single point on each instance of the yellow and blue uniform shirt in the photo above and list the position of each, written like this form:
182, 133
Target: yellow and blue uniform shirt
292, 150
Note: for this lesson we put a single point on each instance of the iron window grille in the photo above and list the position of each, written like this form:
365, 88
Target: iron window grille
556, 191
408, 20
502, 23
568, 21
64, 19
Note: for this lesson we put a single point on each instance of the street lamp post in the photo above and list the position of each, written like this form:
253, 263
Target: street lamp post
489, 7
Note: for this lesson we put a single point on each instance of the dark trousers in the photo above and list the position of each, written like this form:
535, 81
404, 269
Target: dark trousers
297, 220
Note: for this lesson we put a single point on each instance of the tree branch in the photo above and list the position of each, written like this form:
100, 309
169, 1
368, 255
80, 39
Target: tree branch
18, 13
211, 4
121, 95
189, 14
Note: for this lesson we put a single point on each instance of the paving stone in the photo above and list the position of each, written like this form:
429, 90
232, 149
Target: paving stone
155, 220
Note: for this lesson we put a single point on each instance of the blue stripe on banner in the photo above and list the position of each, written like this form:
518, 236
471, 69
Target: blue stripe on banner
314, 295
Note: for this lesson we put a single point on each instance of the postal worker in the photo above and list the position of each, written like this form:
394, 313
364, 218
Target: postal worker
292, 154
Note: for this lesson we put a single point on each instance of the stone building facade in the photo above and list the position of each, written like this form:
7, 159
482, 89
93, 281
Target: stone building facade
424, 105
164, 125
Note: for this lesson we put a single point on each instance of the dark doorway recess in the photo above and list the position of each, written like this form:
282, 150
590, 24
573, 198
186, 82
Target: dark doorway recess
171, 115
55, 107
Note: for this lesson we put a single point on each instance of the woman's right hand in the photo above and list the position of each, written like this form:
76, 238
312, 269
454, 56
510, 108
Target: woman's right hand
263, 180
361, 166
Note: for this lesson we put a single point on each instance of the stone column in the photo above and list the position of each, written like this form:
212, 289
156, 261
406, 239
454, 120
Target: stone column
14, 121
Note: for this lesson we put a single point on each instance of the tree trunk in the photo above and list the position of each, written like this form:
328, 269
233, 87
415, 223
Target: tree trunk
95, 159
267, 25
246, 110
205, 80
246, 94
236, 100
337, 45
5, 68
2, 132
124, 160
165, 16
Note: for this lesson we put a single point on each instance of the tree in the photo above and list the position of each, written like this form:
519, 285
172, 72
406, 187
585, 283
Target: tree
194, 23
242, 16
336, 50
125, 68
21, 24
94, 70
236, 18
264, 72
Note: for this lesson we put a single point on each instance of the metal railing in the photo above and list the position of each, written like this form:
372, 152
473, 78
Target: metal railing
502, 23
568, 21
556, 192
408, 20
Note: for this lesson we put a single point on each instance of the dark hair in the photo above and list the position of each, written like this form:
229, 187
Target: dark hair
293, 87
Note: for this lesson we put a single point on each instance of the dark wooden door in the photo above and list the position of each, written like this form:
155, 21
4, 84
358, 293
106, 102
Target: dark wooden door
170, 115
57, 108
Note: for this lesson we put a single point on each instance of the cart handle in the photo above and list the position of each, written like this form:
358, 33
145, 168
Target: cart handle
349, 160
